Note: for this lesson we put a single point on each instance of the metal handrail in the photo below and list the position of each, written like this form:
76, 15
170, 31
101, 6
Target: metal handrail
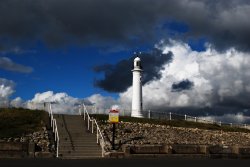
93, 122
171, 115
53, 124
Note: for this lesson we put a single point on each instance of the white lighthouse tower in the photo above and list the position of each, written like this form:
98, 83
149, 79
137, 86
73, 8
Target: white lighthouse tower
137, 89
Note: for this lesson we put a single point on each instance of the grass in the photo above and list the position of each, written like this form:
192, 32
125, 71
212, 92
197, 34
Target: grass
15, 122
174, 123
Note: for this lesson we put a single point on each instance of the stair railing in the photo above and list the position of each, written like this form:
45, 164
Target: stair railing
99, 136
53, 124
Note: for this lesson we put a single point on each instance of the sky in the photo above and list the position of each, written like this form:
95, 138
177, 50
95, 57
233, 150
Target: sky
195, 54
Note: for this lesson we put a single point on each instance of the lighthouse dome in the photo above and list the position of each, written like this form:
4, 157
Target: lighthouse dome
137, 59
137, 63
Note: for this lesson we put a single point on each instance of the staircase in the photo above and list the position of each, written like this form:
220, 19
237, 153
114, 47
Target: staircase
76, 142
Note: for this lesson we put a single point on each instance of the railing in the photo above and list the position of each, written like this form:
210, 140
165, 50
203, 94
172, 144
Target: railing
174, 116
54, 128
93, 122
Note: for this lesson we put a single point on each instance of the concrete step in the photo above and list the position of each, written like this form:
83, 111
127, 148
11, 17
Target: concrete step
85, 140
75, 149
77, 143
81, 154
93, 140
77, 134
76, 127
80, 147
80, 151
81, 157
77, 137
96, 151
80, 137
80, 142
76, 130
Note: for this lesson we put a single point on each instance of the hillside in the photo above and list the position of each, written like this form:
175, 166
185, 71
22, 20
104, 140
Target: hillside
16, 122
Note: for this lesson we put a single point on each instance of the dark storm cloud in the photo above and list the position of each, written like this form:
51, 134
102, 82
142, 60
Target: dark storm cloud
125, 21
79, 20
182, 85
241, 101
118, 77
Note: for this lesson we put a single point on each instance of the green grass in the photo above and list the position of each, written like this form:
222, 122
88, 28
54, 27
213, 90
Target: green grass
14, 122
174, 123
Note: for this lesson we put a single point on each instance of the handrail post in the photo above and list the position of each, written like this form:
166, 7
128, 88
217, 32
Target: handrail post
80, 113
53, 125
56, 137
92, 126
88, 123
97, 136
57, 148
84, 112
50, 108
55, 128
51, 115
170, 116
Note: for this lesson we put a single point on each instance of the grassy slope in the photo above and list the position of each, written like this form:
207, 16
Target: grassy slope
15, 122
175, 123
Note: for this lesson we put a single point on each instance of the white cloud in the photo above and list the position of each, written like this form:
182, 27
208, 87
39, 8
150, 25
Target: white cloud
62, 102
17, 102
103, 103
6, 90
228, 118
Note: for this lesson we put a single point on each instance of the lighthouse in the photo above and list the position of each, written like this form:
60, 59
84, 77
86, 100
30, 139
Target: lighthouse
137, 89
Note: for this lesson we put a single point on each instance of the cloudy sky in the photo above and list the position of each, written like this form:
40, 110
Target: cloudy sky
195, 54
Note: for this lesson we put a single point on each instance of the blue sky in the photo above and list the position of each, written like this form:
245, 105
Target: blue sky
68, 69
